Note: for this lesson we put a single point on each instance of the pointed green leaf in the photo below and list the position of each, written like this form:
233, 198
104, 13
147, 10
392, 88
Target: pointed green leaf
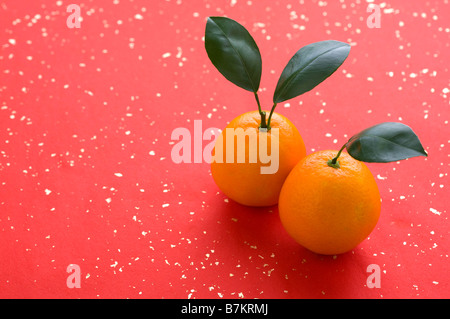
385, 142
233, 52
310, 66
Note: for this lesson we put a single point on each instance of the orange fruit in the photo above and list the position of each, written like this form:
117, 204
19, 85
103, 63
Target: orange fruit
242, 178
329, 210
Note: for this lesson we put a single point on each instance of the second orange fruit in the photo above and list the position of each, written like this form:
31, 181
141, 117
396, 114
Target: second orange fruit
243, 182
329, 210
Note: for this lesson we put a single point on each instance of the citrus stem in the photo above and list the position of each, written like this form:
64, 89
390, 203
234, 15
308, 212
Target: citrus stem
263, 114
263, 120
257, 101
270, 115
333, 162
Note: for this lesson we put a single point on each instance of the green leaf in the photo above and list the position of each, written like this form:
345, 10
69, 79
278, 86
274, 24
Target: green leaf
310, 66
385, 142
233, 52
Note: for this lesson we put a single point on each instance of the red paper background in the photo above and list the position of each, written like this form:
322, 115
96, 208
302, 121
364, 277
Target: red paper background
86, 175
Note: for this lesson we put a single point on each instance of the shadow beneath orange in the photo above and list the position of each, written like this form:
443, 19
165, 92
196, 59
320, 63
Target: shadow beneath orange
249, 224
258, 232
